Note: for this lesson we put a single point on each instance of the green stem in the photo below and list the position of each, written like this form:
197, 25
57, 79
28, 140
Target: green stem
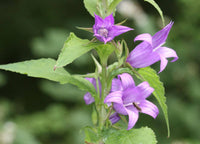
102, 112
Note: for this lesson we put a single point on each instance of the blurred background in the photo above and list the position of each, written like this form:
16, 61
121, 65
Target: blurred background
37, 111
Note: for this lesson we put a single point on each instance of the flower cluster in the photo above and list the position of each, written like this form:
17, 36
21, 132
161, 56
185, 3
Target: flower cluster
125, 97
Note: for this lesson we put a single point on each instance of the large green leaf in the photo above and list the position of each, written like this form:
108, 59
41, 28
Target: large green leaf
73, 48
157, 8
92, 6
43, 68
150, 75
134, 136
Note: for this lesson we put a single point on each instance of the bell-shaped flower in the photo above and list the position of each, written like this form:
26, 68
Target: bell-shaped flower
129, 99
151, 50
105, 30
88, 97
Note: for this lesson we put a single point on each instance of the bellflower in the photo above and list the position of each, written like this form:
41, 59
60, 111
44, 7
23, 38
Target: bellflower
88, 97
105, 30
151, 50
129, 99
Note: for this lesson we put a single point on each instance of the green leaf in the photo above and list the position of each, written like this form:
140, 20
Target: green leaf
90, 135
143, 135
73, 48
104, 51
150, 75
43, 68
92, 6
158, 9
112, 6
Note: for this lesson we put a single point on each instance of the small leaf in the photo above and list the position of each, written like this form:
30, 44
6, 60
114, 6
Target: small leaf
73, 48
91, 6
143, 135
158, 9
43, 68
104, 51
149, 75
112, 6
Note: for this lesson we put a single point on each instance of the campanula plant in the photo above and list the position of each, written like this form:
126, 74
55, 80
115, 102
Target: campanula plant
112, 90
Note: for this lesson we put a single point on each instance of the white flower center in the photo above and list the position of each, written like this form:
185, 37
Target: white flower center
103, 32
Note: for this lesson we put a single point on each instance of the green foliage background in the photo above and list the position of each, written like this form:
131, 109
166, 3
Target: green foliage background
35, 111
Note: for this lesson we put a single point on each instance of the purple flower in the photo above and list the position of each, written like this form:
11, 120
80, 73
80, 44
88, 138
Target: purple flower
129, 99
114, 118
88, 97
151, 51
105, 30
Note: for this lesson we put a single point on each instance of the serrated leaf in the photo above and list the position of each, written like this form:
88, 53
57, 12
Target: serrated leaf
43, 68
112, 6
91, 6
152, 2
153, 79
143, 135
73, 48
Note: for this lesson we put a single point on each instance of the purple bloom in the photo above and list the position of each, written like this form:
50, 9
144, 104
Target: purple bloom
88, 97
151, 51
129, 99
105, 30
114, 118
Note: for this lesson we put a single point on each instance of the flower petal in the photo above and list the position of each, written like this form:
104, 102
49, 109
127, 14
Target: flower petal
114, 118
149, 108
118, 29
137, 94
98, 21
88, 98
115, 97
109, 21
160, 37
120, 108
133, 115
127, 80
164, 53
167, 53
163, 63
116, 85
144, 37
142, 56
